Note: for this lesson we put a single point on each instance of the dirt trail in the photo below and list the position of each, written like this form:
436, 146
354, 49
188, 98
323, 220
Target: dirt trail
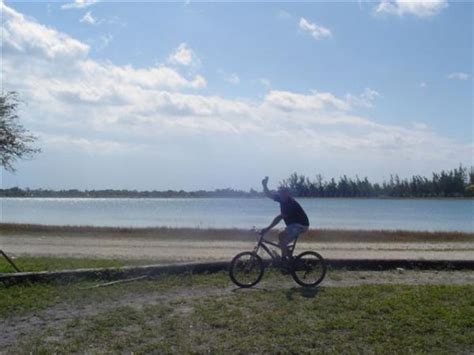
188, 250
14, 328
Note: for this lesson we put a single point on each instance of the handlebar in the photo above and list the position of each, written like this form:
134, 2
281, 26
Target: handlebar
257, 231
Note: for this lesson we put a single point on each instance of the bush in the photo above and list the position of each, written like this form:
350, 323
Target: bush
469, 191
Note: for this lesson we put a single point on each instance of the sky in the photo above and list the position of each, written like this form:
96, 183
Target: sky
192, 95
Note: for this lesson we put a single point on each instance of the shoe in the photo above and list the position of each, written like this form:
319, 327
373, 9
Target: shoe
276, 258
285, 270
285, 266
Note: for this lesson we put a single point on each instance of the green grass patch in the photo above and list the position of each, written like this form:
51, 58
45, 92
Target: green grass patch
381, 319
23, 299
169, 315
45, 263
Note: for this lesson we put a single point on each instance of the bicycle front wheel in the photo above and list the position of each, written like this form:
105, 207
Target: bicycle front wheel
308, 269
246, 269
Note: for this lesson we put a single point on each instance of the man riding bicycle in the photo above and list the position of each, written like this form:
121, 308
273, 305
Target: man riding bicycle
291, 212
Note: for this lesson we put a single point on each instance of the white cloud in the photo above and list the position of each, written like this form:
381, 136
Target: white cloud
78, 4
365, 99
153, 78
283, 15
423, 85
34, 46
89, 19
370, 94
420, 125
421, 8
114, 20
319, 101
97, 105
233, 79
265, 82
90, 146
316, 31
104, 41
458, 76
23, 36
183, 55
290, 102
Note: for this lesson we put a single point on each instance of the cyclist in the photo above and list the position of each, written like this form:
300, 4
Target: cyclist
291, 212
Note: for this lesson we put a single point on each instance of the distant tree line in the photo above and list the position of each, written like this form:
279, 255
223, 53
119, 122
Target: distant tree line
453, 183
458, 182
111, 193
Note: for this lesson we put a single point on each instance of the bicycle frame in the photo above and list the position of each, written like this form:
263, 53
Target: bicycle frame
262, 243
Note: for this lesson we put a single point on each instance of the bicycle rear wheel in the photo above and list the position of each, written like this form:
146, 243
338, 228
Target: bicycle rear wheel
246, 269
308, 269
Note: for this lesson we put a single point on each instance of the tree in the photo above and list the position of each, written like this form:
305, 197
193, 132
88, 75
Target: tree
15, 141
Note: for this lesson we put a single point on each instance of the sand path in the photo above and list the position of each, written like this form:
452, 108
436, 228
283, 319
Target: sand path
166, 250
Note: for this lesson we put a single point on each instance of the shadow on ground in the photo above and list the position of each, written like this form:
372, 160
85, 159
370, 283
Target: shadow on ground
302, 291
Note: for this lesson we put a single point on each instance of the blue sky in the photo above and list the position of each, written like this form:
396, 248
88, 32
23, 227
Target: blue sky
203, 95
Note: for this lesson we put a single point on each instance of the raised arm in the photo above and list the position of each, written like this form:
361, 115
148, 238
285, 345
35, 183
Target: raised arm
266, 191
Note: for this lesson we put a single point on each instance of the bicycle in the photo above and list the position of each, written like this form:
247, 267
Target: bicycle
246, 268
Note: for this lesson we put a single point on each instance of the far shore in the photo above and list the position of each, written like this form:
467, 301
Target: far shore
442, 198
218, 234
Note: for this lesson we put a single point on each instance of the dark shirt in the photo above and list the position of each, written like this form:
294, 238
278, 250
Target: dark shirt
291, 211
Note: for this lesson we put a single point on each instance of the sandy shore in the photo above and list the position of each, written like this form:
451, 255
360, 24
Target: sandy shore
187, 249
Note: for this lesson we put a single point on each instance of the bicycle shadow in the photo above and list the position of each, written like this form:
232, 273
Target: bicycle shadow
250, 289
289, 293
302, 291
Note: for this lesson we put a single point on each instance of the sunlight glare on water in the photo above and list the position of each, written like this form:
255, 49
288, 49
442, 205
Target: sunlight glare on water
410, 214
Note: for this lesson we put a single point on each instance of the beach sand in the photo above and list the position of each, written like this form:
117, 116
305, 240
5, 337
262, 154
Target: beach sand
171, 245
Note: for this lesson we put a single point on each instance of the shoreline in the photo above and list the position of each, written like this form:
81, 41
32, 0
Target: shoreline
454, 198
234, 234
188, 244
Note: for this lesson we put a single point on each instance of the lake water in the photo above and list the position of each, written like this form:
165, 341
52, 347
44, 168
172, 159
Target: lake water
429, 215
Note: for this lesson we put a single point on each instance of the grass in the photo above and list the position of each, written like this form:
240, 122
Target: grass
45, 263
316, 235
19, 300
200, 314
359, 319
